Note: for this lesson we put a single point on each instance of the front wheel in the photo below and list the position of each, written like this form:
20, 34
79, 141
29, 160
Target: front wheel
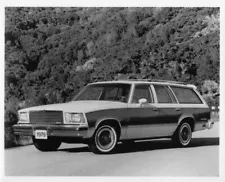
50, 144
104, 140
183, 135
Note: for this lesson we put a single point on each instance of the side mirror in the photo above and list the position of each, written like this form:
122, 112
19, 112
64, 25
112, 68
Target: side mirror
142, 101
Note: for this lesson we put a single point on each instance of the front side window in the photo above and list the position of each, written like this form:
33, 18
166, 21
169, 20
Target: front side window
162, 94
186, 95
141, 92
108, 92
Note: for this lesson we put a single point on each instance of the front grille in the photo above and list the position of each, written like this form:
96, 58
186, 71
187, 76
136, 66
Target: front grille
47, 117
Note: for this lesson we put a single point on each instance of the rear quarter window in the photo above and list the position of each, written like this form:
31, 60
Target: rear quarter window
186, 95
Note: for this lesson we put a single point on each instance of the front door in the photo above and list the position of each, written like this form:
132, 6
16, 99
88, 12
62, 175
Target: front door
142, 117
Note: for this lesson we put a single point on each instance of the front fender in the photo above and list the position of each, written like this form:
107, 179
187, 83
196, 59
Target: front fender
100, 120
97, 117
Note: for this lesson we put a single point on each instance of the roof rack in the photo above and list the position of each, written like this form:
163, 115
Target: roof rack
170, 81
156, 80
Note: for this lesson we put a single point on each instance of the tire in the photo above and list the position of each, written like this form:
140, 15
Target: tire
51, 144
104, 140
183, 134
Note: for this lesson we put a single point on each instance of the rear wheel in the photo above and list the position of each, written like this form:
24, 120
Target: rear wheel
51, 144
183, 135
104, 140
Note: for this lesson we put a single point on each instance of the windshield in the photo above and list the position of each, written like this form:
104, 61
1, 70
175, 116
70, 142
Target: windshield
110, 92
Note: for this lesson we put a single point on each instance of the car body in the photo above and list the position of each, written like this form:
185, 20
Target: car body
104, 113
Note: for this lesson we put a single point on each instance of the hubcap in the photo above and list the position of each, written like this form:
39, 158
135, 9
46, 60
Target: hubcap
105, 139
185, 135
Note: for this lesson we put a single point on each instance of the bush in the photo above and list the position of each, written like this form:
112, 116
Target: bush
9, 137
11, 140
209, 89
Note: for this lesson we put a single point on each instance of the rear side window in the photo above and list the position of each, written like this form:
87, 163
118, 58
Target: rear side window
186, 95
171, 94
162, 94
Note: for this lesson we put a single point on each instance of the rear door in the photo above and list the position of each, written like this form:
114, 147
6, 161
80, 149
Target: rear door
168, 110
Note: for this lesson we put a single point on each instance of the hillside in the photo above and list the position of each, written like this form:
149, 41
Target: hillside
50, 53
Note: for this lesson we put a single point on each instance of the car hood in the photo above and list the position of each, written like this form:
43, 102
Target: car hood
78, 106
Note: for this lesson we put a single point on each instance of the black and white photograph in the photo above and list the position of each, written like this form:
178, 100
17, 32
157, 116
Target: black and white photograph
112, 91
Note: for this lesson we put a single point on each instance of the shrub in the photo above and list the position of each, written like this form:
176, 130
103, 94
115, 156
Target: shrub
209, 89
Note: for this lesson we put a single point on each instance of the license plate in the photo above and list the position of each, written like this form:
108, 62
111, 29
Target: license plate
41, 134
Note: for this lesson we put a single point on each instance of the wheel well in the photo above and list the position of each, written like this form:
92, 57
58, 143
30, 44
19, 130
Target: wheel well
113, 123
190, 121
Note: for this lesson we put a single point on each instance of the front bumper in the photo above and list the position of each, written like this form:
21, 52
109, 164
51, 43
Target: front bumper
52, 130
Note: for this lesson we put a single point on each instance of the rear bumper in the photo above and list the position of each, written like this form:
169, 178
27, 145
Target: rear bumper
204, 125
52, 130
209, 124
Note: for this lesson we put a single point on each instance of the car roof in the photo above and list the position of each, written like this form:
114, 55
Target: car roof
169, 83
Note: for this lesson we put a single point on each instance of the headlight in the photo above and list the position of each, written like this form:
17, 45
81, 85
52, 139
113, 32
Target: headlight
24, 117
74, 118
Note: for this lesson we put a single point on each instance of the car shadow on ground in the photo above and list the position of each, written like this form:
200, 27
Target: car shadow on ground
150, 145
76, 149
164, 144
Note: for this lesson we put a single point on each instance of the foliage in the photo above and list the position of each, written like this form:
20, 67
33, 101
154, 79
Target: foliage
52, 52
209, 91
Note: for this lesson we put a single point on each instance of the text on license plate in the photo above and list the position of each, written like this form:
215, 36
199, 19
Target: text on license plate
41, 134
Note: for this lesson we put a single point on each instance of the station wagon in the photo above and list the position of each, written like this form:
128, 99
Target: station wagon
105, 113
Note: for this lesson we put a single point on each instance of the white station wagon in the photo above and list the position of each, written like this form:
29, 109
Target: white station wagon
104, 113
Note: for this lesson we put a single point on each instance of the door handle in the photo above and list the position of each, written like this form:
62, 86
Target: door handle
155, 109
177, 109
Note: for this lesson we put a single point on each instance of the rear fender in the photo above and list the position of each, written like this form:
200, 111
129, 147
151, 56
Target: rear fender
185, 116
